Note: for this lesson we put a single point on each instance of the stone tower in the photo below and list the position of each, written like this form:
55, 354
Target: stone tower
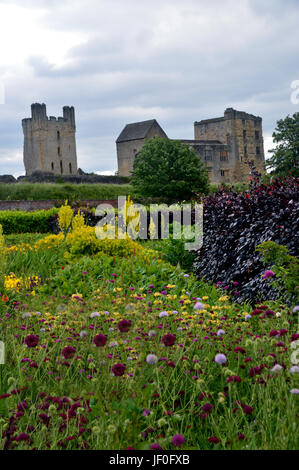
243, 135
50, 143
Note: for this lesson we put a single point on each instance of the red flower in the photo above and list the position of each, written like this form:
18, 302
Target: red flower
100, 340
31, 341
124, 326
233, 378
68, 352
168, 339
214, 440
248, 410
118, 369
207, 408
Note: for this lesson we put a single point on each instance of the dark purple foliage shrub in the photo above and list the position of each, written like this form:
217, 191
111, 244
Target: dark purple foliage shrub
234, 224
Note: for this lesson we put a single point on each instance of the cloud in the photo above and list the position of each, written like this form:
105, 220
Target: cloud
119, 62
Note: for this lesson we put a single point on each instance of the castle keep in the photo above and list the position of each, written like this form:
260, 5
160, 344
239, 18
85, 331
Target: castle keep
223, 144
50, 142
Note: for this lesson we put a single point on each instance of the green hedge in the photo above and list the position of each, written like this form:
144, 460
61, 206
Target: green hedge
25, 222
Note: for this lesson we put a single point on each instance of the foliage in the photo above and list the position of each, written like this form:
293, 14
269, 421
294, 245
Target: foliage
284, 266
168, 169
285, 158
24, 222
115, 353
234, 224
65, 218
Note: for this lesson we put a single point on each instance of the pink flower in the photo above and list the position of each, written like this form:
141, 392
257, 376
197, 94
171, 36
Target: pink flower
268, 273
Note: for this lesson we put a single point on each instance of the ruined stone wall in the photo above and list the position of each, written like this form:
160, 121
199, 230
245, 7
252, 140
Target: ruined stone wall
243, 134
126, 151
50, 143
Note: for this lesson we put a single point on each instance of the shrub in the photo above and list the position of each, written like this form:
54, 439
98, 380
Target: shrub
234, 224
24, 222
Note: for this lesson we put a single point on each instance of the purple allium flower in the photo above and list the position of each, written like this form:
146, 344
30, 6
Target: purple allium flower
100, 340
118, 369
276, 368
31, 341
146, 412
247, 317
294, 369
68, 352
151, 359
295, 391
199, 306
94, 315
268, 273
296, 309
168, 339
156, 446
124, 325
178, 440
220, 332
22, 437
220, 359
163, 314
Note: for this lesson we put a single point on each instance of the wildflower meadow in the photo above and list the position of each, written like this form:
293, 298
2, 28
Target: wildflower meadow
116, 344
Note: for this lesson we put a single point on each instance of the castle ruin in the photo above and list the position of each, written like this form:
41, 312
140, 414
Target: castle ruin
224, 145
50, 142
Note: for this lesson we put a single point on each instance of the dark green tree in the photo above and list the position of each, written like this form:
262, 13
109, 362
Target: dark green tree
285, 158
169, 170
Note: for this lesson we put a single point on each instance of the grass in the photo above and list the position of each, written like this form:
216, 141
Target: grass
71, 192
86, 380
77, 192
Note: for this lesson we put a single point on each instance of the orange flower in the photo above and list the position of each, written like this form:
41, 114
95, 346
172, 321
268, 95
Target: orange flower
4, 298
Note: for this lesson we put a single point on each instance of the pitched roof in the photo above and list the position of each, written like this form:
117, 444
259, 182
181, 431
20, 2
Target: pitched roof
136, 130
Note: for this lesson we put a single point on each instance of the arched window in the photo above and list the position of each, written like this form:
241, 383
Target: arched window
70, 167
58, 151
58, 135
61, 167
52, 166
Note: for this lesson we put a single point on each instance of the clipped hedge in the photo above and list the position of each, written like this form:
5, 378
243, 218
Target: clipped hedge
27, 222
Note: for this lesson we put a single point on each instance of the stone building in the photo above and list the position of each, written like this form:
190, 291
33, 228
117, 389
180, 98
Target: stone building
50, 142
223, 144
131, 140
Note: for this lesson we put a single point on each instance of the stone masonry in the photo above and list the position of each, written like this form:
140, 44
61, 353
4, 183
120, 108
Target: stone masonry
223, 144
50, 143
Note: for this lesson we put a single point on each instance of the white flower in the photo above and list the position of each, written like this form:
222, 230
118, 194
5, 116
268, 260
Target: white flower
152, 333
276, 368
112, 344
26, 315
94, 314
83, 333
220, 332
151, 359
163, 314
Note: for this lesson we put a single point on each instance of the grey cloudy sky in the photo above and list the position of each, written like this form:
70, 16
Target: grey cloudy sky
121, 61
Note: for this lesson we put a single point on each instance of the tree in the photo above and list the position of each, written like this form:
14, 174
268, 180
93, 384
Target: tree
285, 158
168, 169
